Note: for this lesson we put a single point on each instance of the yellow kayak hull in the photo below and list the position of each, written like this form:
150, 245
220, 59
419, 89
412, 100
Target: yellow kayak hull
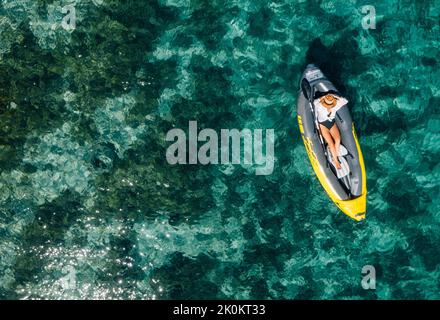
354, 208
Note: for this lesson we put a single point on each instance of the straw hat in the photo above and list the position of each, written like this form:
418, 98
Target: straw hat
329, 101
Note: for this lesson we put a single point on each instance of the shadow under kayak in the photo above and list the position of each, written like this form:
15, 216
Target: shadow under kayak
348, 192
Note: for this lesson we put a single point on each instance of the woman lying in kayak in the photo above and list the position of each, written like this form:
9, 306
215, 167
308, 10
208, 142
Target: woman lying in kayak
326, 108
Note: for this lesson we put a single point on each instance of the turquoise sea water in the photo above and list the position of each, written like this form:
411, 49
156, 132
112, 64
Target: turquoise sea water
89, 207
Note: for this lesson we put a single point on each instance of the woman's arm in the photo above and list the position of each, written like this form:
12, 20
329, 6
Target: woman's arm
341, 102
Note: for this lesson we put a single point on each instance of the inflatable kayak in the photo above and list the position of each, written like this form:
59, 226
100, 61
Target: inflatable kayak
347, 186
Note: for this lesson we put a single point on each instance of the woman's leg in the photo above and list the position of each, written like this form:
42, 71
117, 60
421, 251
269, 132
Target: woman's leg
336, 135
328, 138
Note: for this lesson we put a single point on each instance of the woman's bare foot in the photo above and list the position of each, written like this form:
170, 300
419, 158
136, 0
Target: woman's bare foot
337, 163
